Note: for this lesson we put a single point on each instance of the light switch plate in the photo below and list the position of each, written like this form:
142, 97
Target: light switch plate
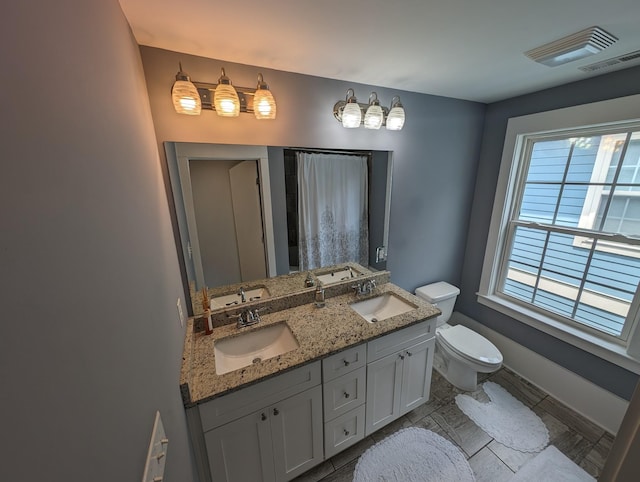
157, 455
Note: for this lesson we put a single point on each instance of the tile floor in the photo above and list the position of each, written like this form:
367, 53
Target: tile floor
579, 439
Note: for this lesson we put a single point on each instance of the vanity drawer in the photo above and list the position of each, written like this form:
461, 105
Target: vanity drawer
344, 362
344, 393
399, 340
343, 431
247, 400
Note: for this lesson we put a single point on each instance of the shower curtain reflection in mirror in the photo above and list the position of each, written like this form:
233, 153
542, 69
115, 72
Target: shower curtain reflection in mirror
333, 213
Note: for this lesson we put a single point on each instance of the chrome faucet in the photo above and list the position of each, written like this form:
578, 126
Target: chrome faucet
248, 317
364, 287
242, 295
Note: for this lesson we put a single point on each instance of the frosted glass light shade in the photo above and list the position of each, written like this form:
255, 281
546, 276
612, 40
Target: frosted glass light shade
186, 99
226, 101
351, 115
264, 105
373, 117
395, 118
184, 95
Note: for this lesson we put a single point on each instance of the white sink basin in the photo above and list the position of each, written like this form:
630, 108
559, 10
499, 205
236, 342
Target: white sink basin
337, 276
382, 307
235, 299
235, 352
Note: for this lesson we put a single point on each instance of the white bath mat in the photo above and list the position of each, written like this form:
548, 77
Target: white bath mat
506, 419
551, 465
413, 455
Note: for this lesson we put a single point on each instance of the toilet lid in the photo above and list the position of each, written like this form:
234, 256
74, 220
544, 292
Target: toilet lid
470, 344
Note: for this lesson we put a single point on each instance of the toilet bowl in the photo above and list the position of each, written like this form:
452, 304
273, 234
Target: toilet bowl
460, 353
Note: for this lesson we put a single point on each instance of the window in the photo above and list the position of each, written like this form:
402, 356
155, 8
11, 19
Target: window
564, 247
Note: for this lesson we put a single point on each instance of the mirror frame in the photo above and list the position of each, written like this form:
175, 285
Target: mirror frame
178, 154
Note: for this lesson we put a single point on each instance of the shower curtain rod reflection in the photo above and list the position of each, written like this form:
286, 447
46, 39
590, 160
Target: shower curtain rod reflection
331, 151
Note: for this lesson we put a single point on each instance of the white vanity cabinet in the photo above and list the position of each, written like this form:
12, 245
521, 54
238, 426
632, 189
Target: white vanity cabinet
264, 432
398, 373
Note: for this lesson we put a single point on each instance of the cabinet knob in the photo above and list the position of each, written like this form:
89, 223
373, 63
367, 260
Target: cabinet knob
263, 417
346, 395
346, 363
401, 356
275, 411
409, 353
346, 432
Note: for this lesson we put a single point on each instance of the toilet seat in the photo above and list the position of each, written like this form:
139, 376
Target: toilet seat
470, 345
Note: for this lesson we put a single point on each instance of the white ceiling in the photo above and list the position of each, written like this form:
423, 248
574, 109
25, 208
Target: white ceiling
467, 49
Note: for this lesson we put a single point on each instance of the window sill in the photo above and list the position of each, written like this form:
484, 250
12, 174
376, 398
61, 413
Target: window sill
604, 349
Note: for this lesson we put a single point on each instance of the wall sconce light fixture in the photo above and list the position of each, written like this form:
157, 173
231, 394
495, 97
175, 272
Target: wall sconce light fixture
190, 97
374, 116
350, 113
225, 98
264, 105
184, 94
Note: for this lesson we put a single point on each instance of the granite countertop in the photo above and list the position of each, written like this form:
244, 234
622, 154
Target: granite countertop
319, 331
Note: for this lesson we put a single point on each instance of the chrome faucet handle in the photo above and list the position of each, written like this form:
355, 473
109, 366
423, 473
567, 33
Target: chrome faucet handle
241, 321
242, 295
252, 316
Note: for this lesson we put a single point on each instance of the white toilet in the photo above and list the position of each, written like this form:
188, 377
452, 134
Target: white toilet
460, 352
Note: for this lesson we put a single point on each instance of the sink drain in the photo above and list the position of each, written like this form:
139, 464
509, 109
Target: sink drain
257, 360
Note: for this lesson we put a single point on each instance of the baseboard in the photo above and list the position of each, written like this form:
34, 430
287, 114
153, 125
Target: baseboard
589, 400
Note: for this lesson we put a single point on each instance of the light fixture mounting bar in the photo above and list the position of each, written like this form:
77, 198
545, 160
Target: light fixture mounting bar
206, 90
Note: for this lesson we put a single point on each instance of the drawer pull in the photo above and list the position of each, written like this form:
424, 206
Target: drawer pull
263, 416
401, 356
409, 353
346, 395
346, 363
346, 432
275, 411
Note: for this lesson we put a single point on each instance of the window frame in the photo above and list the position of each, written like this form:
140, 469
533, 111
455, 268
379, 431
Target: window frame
577, 121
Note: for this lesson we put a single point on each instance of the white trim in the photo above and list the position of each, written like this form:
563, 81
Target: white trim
603, 348
603, 115
589, 400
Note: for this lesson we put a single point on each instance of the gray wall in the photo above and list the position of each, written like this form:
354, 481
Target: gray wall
435, 154
90, 344
617, 84
377, 205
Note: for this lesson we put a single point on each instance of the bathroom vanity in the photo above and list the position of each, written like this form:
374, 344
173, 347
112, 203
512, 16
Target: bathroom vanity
275, 418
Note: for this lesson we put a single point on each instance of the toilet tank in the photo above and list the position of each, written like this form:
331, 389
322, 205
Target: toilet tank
441, 294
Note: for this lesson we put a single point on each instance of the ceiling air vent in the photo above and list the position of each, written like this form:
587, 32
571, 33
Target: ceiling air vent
572, 47
605, 64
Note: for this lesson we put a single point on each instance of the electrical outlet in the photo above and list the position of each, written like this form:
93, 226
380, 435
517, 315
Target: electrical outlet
180, 312
157, 455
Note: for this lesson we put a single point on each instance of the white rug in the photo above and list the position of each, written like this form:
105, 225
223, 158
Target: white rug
506, 419
551, 465
413, 455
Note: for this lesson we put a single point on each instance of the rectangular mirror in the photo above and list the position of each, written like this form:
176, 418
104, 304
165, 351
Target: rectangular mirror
236, 209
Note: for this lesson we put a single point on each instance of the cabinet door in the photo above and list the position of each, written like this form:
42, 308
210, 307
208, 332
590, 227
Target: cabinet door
296, 428
241, 450
384, 382
416, 375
